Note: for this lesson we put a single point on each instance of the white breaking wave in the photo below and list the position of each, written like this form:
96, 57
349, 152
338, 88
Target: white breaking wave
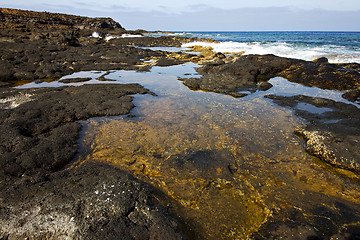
109, 37
131, 36
335, 54
95, 35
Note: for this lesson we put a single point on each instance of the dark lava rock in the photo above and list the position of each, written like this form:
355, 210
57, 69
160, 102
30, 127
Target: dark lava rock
103, 78
352, 95
89, 202
164, 62
241, 74
5, 84
36, 59
322, 75
38, 136
245, 72
339, 222
15, 16
333, 133
163, 41
353, 66
37, 128
264, 86
321, 60
36, 45
69, 40
75, 80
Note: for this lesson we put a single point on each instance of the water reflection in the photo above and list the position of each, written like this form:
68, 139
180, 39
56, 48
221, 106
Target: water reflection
229, 164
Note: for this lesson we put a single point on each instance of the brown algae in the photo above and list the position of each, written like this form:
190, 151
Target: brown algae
228, 164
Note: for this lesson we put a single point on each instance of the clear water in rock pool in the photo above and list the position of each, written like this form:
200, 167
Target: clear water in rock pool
228, 164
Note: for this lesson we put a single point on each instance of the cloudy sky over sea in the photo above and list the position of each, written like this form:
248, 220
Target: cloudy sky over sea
207, 15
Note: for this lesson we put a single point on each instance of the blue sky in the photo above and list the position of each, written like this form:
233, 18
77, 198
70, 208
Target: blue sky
215, 15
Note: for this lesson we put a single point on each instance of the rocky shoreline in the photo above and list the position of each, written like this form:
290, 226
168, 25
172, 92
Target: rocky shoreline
39, 128
239, 74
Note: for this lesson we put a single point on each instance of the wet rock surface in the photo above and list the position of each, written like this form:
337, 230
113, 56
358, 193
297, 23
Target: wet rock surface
74, 80
90, 202
333, 132
322, 224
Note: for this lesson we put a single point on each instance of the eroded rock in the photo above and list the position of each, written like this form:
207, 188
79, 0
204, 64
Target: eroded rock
333, 133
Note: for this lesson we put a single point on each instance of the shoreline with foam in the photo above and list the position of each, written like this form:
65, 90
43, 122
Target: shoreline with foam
338, 47
281, 49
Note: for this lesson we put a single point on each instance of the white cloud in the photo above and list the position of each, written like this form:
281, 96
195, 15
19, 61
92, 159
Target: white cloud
188, 5
245, 19
197, 15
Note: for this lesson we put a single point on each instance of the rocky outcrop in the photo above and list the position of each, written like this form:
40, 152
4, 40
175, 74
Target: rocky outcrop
90, 202
56, 20
37, 128
322, 74
57, 56
163, 41
352, 95
36, 45
242, 73
246, 73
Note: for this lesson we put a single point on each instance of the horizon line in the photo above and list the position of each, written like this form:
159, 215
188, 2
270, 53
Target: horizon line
354, 31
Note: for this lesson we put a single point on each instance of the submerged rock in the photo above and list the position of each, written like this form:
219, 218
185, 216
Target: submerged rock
320, 224
74, 80
264, 86
336, 148
332, 135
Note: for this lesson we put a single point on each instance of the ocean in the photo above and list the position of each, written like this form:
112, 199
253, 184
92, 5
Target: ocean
338, 47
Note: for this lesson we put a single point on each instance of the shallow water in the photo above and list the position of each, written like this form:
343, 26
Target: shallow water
228, 164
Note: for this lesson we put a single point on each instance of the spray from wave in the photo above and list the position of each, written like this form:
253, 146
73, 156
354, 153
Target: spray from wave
335, 54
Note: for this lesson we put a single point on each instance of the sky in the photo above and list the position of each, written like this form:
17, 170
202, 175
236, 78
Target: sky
211, 15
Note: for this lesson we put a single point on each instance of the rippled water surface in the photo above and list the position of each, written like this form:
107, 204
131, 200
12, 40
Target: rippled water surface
228, 164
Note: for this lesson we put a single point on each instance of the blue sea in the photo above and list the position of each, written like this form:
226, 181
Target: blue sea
338, 47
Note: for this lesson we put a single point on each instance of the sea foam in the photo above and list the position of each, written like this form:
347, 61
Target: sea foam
335, 54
